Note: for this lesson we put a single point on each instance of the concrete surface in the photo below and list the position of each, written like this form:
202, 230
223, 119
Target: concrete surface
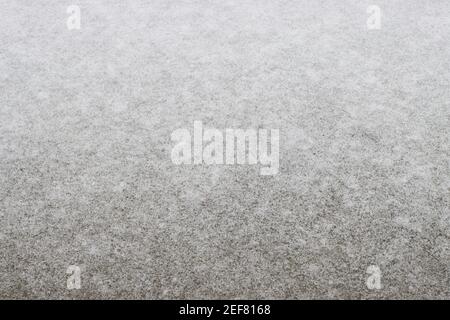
86, 177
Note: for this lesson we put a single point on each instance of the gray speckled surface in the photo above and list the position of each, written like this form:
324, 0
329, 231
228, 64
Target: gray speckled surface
86, 177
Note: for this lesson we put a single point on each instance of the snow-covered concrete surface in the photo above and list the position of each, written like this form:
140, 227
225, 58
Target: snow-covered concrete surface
86, 176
